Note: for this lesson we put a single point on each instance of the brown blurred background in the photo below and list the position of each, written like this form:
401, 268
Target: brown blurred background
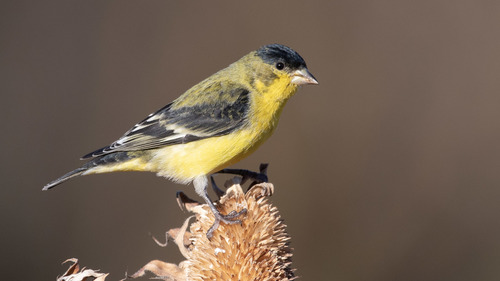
388, 170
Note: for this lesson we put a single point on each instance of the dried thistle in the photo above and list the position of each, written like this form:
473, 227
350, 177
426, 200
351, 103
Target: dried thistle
75, 274
258, 249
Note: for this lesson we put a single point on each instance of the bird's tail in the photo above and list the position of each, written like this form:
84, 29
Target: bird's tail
74, 173
113, 162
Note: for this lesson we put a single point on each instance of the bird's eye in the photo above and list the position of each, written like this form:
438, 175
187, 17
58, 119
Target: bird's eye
280, 65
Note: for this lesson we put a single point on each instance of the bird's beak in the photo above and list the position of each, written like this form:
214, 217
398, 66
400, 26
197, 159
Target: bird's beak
303, 77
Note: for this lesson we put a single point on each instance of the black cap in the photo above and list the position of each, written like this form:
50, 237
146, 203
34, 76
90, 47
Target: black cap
275, 53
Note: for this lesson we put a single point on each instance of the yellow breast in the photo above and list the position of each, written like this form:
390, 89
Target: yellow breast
184, 162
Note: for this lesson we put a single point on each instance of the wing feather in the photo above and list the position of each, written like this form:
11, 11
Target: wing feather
182, 124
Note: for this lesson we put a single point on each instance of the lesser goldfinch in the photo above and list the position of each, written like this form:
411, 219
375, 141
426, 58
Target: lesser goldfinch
213, 125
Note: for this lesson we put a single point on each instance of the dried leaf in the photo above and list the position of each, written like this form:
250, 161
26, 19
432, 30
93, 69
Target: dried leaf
74, 274
163, 270
74, 268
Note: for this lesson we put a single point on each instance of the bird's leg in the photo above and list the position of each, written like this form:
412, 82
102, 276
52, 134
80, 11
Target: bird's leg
259, 177
200, 185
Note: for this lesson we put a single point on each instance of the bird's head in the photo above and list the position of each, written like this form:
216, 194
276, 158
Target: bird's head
287, 63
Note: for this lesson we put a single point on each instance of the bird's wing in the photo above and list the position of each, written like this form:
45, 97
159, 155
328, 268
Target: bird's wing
175, 124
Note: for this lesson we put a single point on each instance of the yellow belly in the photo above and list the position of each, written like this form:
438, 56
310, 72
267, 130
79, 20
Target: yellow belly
184, 162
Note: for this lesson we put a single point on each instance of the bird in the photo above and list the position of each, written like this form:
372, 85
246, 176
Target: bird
211, 126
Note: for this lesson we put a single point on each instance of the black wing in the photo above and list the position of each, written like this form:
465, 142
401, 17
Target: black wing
182, 124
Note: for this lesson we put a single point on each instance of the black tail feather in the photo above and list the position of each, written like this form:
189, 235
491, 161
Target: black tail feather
64, 178
108, 159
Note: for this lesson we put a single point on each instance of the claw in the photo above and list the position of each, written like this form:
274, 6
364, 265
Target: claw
227, 219
234, 214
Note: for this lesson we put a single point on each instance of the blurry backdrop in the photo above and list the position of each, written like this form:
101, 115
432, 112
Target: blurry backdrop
388, 170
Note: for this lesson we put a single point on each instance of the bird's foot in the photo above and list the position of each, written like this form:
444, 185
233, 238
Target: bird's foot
227, 219
230, 218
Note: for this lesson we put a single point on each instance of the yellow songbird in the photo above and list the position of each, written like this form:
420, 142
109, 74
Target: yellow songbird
214, 124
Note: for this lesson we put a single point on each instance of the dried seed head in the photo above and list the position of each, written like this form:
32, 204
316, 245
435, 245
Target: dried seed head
258, 249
